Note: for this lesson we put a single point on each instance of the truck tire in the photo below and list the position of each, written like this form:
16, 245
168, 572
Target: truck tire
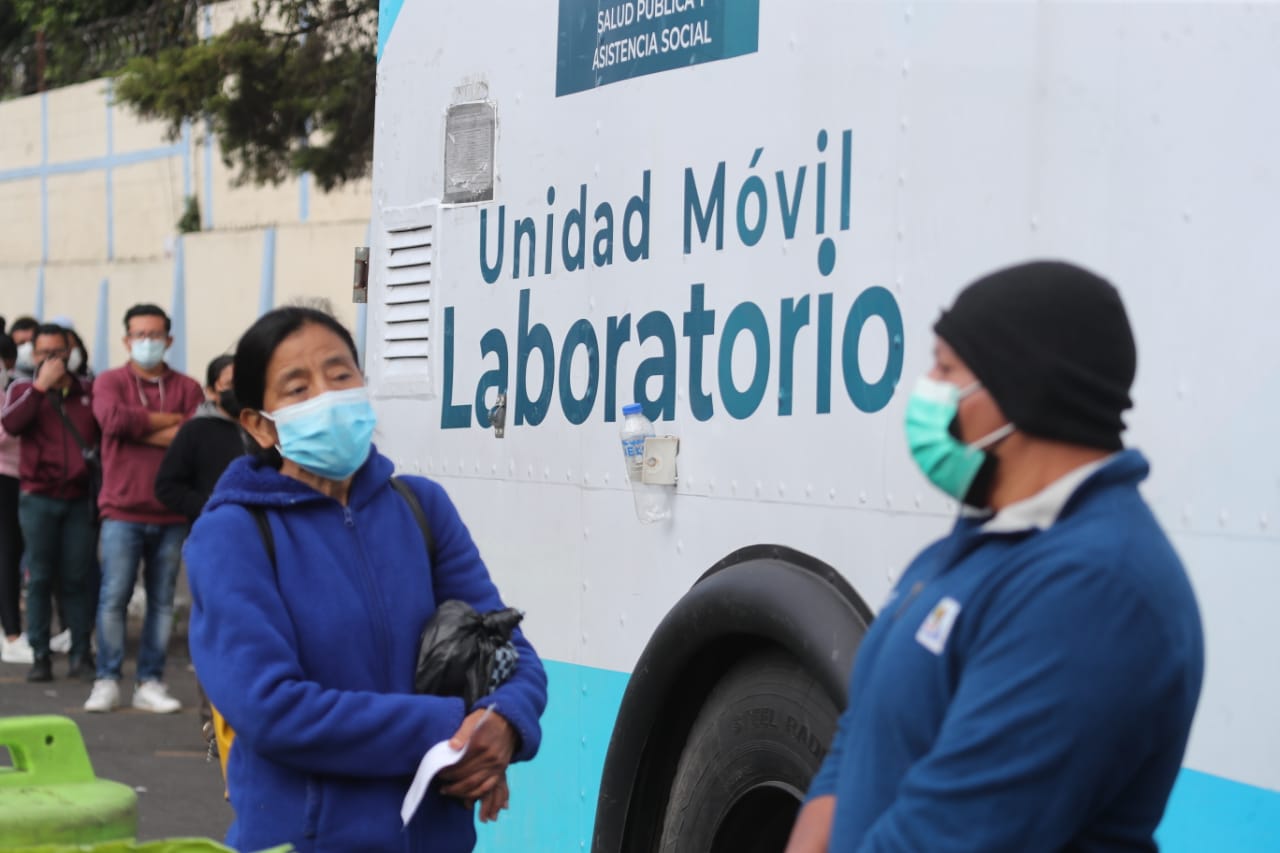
754, 747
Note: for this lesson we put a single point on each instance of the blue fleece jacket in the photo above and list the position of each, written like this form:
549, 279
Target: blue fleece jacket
312, 664
1024, 691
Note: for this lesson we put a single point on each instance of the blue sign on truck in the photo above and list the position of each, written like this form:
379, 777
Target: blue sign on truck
604, 41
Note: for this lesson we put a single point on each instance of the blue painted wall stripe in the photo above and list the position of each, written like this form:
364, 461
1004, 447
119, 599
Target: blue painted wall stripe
177, 356
38, 308
206, 217
388, 11
44, 176
267, 286
186, 162
111, 217
206, 222
101, 346
90, 164
304, 196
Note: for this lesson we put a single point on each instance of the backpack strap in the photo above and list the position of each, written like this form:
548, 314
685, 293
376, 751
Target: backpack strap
406, 492
264, 530
419, 515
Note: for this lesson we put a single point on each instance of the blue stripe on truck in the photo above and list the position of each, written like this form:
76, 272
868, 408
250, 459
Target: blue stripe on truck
553, 798
1208, 812
388, 11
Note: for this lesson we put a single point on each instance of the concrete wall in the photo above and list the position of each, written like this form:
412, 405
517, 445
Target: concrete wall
90, 198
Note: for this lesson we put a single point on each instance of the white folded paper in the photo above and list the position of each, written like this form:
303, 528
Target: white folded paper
438, 757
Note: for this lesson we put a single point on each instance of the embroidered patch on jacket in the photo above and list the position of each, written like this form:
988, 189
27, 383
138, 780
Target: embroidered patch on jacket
936, 627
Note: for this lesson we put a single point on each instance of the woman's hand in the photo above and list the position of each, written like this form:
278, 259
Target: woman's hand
495, 801
483, 767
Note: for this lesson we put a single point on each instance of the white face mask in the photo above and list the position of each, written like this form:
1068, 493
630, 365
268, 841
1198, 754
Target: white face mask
75, 361
147, 353
27, 356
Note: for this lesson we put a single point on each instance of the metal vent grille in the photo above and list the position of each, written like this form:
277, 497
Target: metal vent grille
407, 306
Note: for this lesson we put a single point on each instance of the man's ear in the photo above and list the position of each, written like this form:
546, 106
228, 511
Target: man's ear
260, 429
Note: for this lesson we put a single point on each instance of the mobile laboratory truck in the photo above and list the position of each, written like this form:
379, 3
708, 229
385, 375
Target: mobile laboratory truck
745, 215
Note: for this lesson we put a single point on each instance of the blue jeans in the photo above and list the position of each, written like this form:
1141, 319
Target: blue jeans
59, 539
123, 545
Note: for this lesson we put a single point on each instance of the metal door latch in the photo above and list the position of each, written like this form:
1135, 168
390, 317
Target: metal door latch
498, 416
360, 283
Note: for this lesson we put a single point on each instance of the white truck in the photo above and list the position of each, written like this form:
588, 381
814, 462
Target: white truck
745, 215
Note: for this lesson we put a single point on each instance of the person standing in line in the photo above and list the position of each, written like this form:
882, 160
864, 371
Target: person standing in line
78, 361
23, 333
14, 647
201, 451
78, 364
204, 446
283, 636
1031, 680
53, 415
140, 407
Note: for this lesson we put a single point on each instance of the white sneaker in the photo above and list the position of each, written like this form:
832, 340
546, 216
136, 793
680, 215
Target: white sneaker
60, 644
16, 651
104, 697
154, 696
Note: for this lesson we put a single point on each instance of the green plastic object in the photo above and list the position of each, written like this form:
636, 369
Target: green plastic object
50, 795
172, 845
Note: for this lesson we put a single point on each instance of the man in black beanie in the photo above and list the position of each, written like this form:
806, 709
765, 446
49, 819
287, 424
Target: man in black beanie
1031, 681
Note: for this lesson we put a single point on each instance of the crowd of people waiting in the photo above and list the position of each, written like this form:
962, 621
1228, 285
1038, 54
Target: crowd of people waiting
100, 475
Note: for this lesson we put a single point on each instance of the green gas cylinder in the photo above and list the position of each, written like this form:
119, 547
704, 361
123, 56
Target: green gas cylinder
50, 795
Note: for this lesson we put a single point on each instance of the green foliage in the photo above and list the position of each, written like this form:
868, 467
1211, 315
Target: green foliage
12, 27
190, 220
287, 90
50, 43
58, 17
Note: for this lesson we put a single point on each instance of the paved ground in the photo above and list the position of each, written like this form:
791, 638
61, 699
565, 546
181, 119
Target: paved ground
161, 756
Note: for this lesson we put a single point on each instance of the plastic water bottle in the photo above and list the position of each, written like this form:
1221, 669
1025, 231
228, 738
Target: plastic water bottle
653, 503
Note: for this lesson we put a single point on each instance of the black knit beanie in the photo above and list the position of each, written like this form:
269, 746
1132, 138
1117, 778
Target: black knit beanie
1051, 342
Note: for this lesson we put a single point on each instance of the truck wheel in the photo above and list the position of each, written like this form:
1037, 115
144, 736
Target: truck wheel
753, 749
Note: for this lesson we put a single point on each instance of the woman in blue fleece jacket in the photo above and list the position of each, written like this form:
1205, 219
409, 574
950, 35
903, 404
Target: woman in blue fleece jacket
311, 660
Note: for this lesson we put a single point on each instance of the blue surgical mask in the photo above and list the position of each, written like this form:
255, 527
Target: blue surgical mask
329, 435
147, 353
948, 462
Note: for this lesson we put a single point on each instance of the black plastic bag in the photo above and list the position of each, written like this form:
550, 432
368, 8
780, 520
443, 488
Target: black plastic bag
465, 653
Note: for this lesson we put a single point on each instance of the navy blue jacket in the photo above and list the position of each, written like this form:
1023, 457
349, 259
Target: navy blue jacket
313, 664
1024, 691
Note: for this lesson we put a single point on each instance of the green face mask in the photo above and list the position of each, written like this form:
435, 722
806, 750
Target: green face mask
946, 461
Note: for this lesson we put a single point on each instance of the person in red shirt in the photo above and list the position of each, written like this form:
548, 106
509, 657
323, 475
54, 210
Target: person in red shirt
53, 417
139, 407
14, 647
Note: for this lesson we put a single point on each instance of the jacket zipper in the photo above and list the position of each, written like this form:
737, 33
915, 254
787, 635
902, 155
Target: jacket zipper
375, 599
